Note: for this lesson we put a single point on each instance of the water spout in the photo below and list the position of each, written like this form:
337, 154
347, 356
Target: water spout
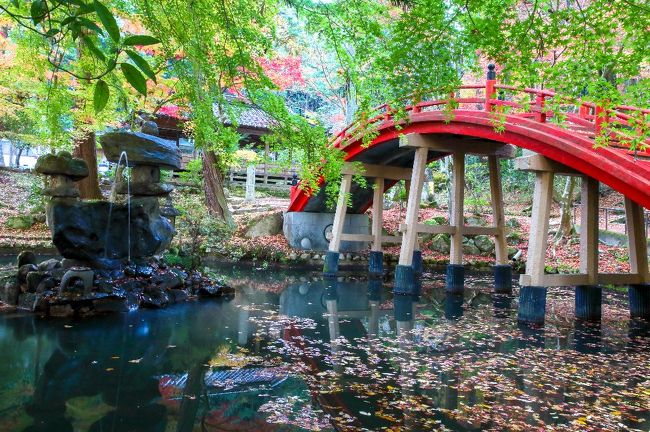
112, 197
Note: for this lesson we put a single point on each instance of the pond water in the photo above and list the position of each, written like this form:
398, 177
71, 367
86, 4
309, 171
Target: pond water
296, 353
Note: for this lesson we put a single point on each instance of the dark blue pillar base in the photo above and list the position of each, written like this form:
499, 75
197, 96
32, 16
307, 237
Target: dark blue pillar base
639, 301
374, 289
331, 266
403, 307
455, 278
503, 278
404, 280
453, 306
418, 264
532, 305
589, 300
376, 263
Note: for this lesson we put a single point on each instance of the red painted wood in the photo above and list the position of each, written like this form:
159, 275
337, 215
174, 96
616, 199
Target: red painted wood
615, 165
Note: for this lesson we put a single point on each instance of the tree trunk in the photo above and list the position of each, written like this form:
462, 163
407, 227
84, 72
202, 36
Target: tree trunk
565, 229
18, 154
213, 184
86, 149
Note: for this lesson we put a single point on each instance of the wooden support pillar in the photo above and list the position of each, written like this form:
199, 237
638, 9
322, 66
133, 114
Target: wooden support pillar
377, 214
376, 258
409, 239
457, 209
331, 266
404, 273
589, 229
501, 247
532, 296
538, 240
639, 294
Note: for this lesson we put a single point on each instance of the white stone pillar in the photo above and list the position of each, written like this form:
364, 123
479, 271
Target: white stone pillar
250, 183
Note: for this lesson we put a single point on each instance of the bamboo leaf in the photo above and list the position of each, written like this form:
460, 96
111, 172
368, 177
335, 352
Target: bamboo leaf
141, 40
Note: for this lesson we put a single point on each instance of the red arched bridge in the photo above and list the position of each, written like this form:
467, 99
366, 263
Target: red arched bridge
474, 115
599, 144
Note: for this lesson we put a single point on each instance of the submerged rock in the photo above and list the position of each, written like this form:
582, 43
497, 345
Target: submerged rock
141, 149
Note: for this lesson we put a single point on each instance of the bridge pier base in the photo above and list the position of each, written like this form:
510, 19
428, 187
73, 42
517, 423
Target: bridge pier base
502, 278
418, 263
331, 266
404, 280
376, 263
532, 305
639, 296
588, 302
455, 279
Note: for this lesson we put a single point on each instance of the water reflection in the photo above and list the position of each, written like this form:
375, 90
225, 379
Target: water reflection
291, 353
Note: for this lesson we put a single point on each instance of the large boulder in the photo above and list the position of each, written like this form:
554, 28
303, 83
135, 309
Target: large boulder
82, 230
441, 243
20, 222
141, 149
267, 225
62, 164
484, 243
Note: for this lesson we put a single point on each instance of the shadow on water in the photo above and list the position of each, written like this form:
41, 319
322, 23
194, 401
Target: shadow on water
296, 353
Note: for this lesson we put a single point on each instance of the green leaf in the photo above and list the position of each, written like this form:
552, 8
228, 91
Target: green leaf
100, 98
52, 32
38, 10
134, 77
141, 40
94, 49
108, 20
141, 64
91, 25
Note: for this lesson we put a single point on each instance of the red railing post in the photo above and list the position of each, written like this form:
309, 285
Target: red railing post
489, 87
583, 111
540, 114
600, 117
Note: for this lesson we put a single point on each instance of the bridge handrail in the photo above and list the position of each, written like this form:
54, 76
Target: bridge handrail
589, 114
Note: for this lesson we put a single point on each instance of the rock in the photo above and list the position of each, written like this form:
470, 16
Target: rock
513, 223
512, 251
146, 189
154, 298
150, 128
141, 149
81, 229
470, 248
139, 271
211, 291
12, 291
62, 164
476, 220
305, 243
61, 311
26, 257
168, 281
40, 218
513, 237
441, 243
267, 225
47, 284
293, 256
24, 270
33, 279
49, 265
104, 286
484, 244
304, 256
27, 301
177, 296
20, 222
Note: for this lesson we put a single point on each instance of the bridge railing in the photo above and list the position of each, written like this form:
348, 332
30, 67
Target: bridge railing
620, 126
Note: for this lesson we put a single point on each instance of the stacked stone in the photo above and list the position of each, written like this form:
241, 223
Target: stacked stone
147, 155
62, 171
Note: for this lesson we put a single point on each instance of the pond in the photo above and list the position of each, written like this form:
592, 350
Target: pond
291, 353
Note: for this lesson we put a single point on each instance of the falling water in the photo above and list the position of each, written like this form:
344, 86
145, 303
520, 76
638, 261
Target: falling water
128, 205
